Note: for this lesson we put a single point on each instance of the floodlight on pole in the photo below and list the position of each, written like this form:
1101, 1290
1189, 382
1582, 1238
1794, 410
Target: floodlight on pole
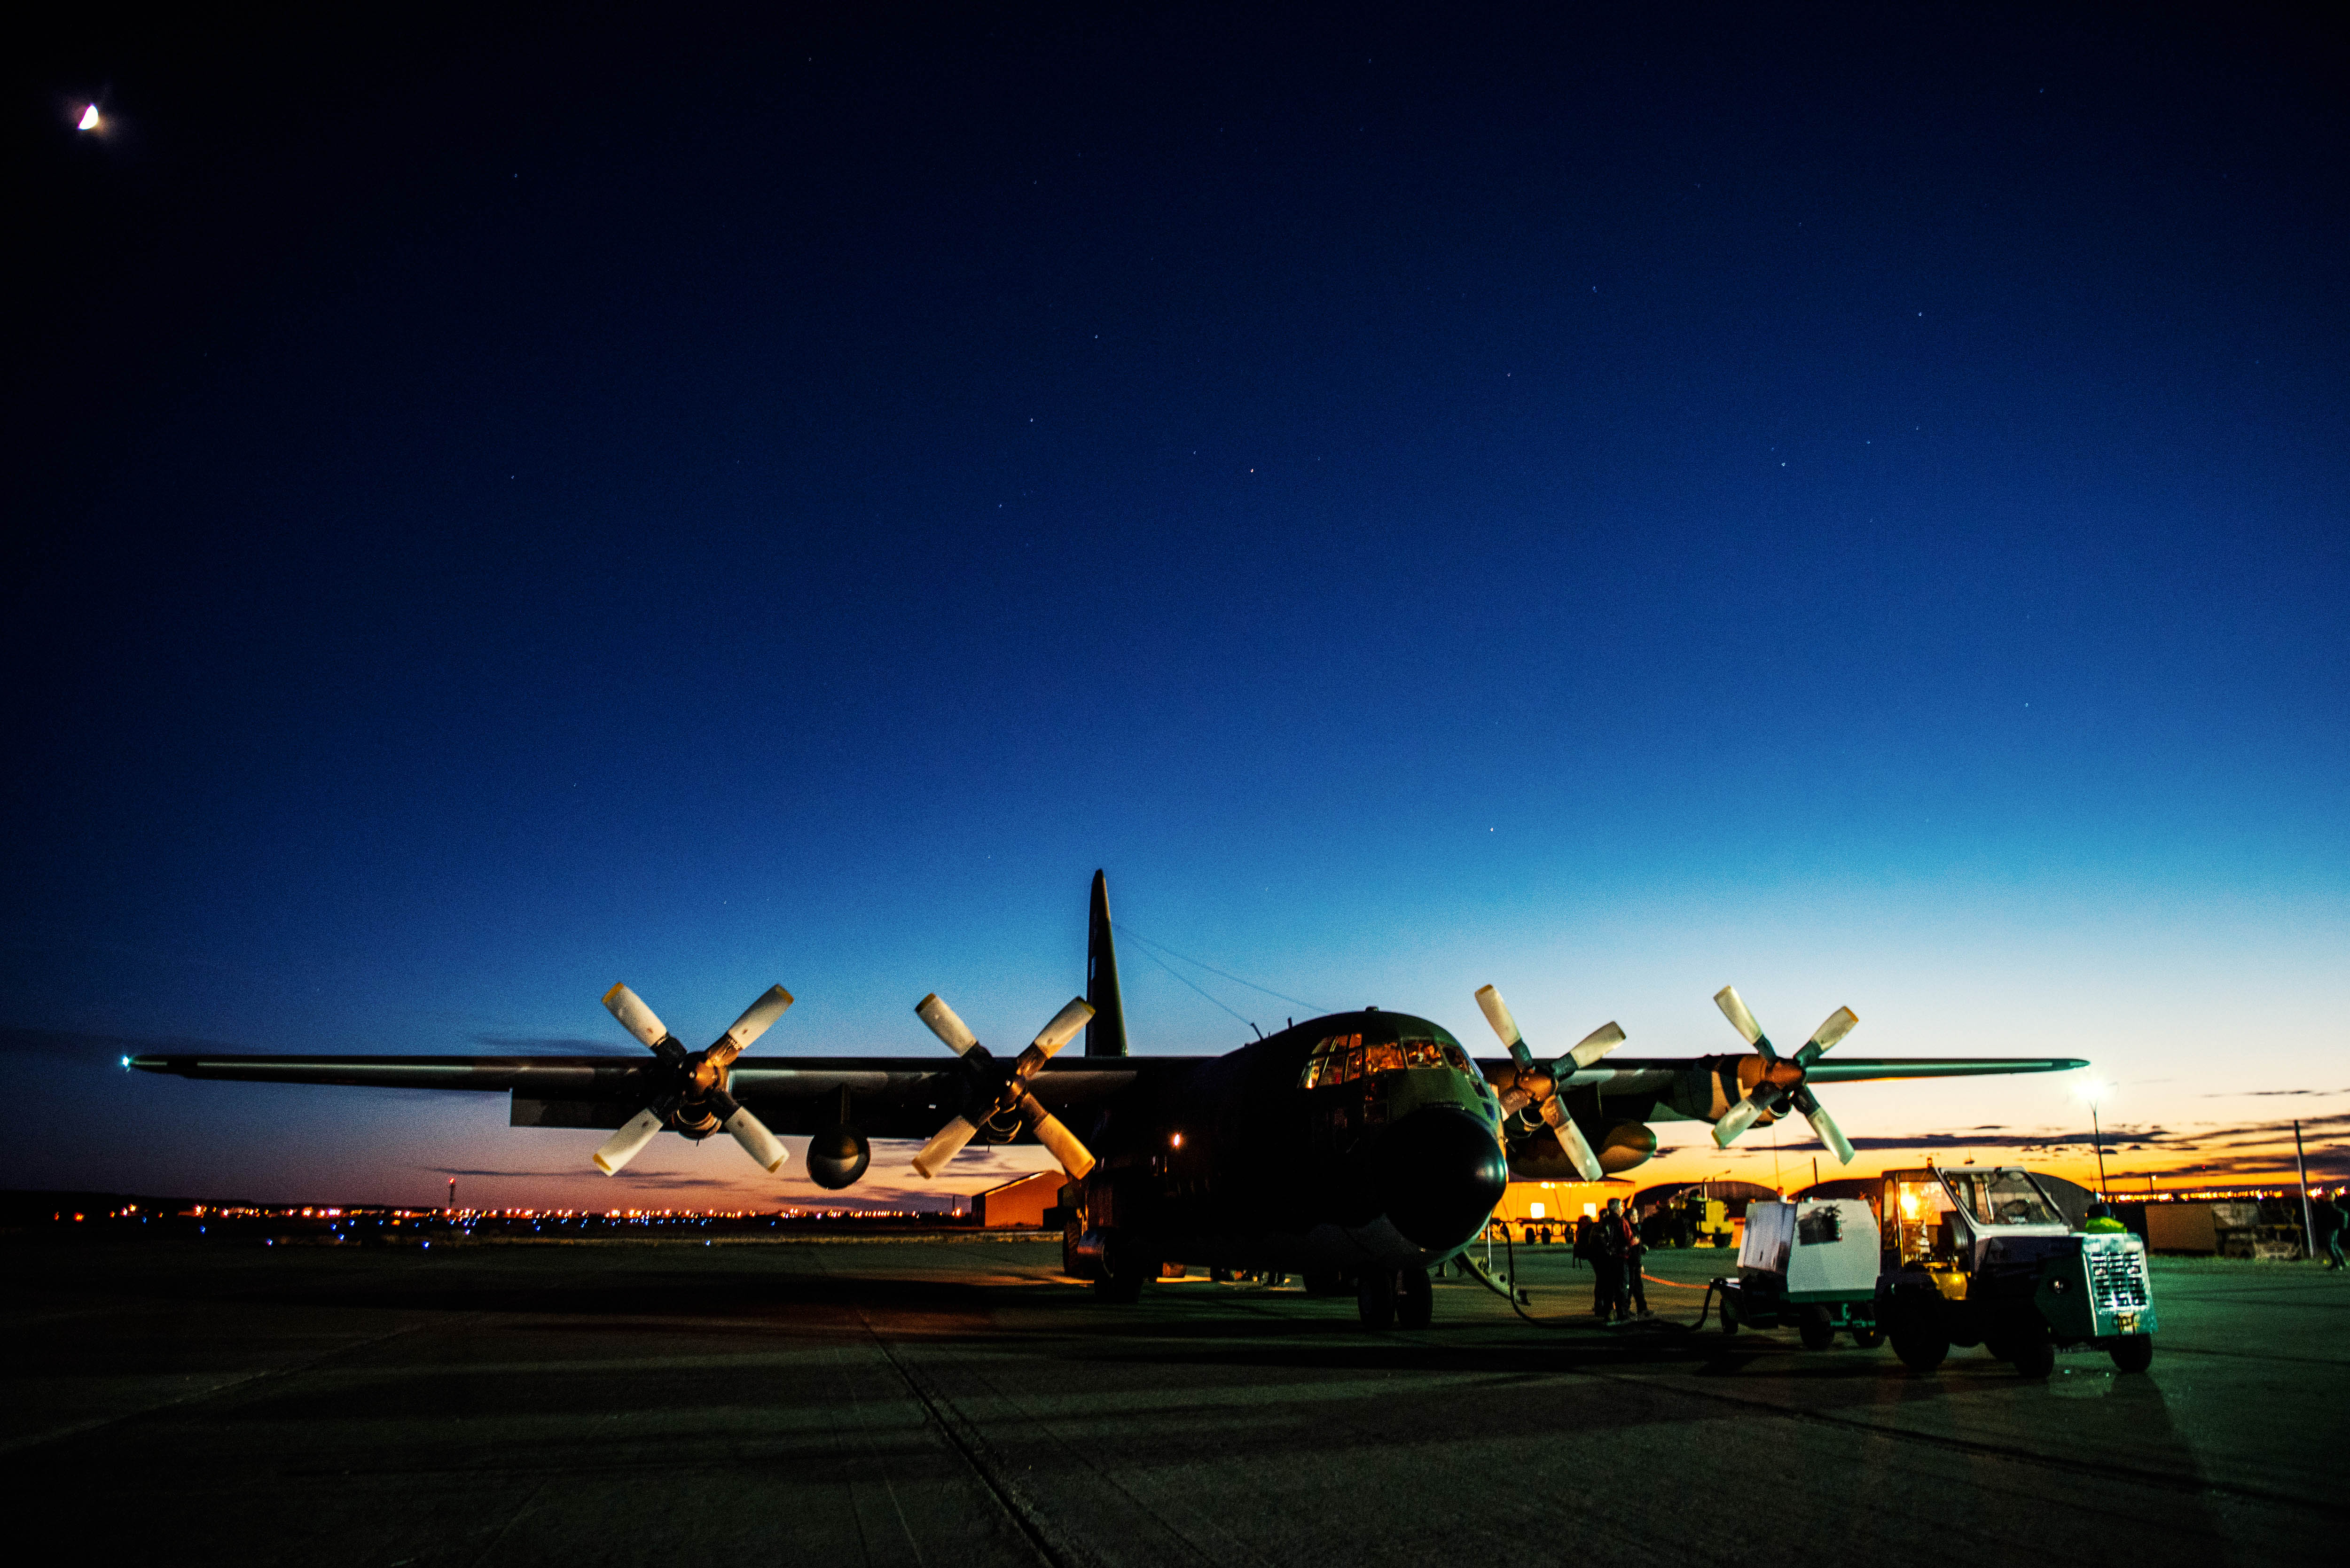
2093, 1092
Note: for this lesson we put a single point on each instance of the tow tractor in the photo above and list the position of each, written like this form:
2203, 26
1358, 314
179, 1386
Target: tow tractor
1983, 1257
1811, 1264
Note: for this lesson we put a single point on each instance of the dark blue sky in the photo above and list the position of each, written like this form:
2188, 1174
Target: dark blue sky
1580, 500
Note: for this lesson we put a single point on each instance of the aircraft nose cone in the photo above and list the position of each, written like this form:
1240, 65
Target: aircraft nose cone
1440, 1174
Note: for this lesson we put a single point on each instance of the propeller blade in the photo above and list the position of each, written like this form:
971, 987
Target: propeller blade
634, 1017
1074, 1156
1839, 1024
1571, 1138
1596, 1045
945, 1145
1825, 1125
1736, 1120
945, 1025
1065, 1025
756, 1140
1497, 1013
755, 1022
1733, 1009
629, 1141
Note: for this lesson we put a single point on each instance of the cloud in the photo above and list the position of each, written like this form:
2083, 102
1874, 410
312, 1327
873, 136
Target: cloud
2266, 1094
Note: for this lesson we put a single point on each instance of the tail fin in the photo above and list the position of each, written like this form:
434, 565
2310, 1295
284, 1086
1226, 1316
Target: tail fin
1105, 1035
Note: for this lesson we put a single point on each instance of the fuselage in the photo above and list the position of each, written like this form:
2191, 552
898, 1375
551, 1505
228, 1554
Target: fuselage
1357, 1139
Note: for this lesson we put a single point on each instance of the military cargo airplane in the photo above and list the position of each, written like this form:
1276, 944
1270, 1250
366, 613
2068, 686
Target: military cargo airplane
1358, 1149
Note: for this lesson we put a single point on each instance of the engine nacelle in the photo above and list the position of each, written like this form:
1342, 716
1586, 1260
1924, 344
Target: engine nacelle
837, 1156
1628, 1143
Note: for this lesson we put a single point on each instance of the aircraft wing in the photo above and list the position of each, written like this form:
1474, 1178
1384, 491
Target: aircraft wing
1655, 1074
1858, 1069
888, 1096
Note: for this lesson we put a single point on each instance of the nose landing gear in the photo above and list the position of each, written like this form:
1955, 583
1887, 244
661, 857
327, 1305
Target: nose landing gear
1394, 1298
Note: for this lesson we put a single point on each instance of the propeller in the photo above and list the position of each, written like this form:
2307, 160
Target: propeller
1538, 1085
1781, 1084
1004, 1085
692, 1095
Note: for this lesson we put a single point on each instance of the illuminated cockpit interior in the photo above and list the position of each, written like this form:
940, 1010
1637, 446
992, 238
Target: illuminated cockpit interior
1394, 1045
2001, 1197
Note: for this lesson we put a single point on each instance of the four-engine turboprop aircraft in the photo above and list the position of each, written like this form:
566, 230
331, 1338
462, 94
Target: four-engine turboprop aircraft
1360, 1148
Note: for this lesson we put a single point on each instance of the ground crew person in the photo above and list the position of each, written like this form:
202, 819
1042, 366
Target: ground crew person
2100, 1220
2330, 1222
1613, 1244
1636, 1250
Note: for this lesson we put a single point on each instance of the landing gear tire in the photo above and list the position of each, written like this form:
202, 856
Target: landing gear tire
1374, 1299
2132, 1354
1921, 1350
1729, 1316
1868, 1336
1817, 1331
1415, 1299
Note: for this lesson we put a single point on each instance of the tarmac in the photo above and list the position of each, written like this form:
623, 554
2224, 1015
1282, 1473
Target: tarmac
956, 1402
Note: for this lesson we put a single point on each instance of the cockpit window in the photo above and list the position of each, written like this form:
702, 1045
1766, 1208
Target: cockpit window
1343, 1058
2001, 1197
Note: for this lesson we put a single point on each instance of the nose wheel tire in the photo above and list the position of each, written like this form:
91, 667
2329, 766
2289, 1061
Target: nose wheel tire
1394, 1298
1415, 1299
1374, 1299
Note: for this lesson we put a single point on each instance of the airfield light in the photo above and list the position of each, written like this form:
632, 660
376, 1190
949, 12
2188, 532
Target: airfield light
90, 121
1177, 1140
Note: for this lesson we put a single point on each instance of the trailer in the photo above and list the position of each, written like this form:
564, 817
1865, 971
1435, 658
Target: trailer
1811, 1264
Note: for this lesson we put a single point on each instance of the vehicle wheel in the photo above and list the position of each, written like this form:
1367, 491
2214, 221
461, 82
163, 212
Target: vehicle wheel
1375, 1298
1124, 1276
1868, 1336
1817, 1332
1729, 1316
1921, 1350
2132, 1354
2035, 1358
1414, 1300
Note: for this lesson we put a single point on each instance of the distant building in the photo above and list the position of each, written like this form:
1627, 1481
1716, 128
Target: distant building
1548, 1203
1018, 1204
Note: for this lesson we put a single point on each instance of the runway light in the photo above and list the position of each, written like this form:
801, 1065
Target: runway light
88, 119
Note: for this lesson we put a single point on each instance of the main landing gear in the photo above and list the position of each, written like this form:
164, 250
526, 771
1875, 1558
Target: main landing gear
1394, 1298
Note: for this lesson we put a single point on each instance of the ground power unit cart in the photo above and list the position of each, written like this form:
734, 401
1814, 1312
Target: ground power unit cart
1811, 1265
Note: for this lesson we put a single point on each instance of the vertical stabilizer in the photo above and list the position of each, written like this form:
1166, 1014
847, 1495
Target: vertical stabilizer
1105, 1035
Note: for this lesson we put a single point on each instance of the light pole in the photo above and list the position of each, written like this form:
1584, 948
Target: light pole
2092, 1092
